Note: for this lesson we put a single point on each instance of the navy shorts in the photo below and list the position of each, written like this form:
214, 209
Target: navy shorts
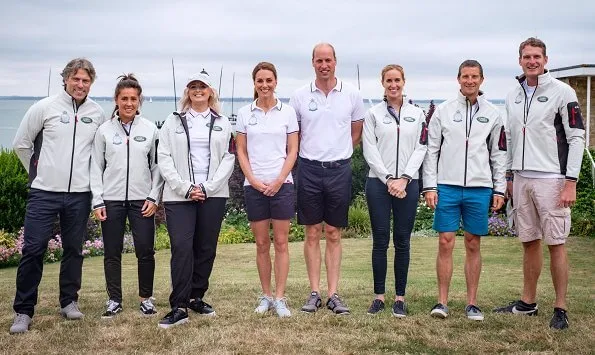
472, 204
324, 192
260, 207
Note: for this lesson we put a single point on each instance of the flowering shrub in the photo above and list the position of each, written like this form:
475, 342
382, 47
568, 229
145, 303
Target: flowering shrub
498, 226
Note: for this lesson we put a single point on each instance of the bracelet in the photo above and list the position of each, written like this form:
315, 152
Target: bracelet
509, 178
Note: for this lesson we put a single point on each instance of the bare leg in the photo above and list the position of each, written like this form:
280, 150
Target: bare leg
446, 244
280, 237
532, 264
559, 270
312, 255
260, 229
472, 266
333, 257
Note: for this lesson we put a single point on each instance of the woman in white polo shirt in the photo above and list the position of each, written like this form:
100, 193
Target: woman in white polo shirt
126, 183
394, 145
267, 146
196, 163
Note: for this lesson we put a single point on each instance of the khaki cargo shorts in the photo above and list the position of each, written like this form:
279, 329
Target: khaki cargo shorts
536, 211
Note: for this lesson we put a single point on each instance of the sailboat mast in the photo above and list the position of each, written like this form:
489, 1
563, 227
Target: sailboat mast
173, 73
233, 86
49, 80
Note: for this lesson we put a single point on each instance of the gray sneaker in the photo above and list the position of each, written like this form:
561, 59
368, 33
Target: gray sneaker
336, 304
473, 312
20, 324
312, 303
265, 303
71, 311
439, 311
281, 308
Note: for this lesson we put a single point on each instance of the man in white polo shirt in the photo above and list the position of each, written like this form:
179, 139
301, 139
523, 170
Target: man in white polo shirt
330, 113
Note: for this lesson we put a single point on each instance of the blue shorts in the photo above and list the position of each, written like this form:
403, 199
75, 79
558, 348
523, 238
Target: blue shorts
470, 203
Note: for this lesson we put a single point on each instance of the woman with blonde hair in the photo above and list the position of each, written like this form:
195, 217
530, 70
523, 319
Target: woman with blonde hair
196, 163
394, 145
267, 143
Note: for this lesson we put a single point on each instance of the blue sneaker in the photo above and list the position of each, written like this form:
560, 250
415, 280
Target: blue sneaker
473, 312
439, 311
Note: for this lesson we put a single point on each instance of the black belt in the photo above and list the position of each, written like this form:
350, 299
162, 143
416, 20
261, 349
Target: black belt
326, 164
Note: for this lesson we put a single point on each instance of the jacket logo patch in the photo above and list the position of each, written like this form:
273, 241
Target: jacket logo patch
180, 129
217, 128
409, 119
386, 119
458, 117
542, 99
117, 140
64, 117
312, 106
519, 98
140, 138
483, 119
87, 119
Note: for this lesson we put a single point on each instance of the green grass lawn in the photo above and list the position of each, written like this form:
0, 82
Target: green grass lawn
236, 329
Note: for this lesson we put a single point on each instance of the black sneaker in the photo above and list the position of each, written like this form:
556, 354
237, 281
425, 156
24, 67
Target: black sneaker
559, 320
112, 308
400, 309
201, 307
177, 316
518, 307
147, 308
336, 304
376, 306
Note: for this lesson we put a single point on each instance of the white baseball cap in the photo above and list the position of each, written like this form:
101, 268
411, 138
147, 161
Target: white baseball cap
203, 76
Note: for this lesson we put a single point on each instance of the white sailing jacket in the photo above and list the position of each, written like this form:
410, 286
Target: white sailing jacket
466, 148
394, 146
54, 142
175, 162
545, 132
124, 164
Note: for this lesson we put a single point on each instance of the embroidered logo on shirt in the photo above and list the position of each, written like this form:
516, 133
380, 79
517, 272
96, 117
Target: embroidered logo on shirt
87, 119
409, 119
483, 119
312, 106
387, 119
458, 117
140, 138
64, 117
519, 98
215, 128
180, 129
117, 140
542, 99
253, 120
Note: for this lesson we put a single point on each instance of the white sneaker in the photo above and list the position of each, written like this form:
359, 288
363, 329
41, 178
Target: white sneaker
265, 303
71, 311
147, 308
281, 308
21, 323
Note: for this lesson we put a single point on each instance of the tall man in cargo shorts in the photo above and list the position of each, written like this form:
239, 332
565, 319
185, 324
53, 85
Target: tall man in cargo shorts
331, 114
54, 144
546, 138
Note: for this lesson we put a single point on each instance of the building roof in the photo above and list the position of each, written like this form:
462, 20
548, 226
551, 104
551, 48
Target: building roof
575, 70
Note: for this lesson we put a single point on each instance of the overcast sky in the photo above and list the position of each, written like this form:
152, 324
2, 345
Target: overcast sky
428, 38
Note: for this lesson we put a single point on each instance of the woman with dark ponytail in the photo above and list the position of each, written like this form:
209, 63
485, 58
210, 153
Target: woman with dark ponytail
126, 183
267, 146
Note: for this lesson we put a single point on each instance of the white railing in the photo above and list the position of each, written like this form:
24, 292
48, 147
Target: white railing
592, 165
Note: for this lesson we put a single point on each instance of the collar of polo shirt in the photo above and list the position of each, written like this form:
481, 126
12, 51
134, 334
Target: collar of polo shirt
338, 86
278, 105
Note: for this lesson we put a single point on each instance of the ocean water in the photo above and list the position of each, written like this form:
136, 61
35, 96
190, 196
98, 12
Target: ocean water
12, 111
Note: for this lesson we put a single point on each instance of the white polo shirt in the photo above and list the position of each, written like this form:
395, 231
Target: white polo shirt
200, 152
266, 138
325, 121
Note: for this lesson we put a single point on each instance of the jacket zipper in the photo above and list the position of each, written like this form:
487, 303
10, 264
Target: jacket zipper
75, 110
468, 112
127, 155
398, 122
525, 117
